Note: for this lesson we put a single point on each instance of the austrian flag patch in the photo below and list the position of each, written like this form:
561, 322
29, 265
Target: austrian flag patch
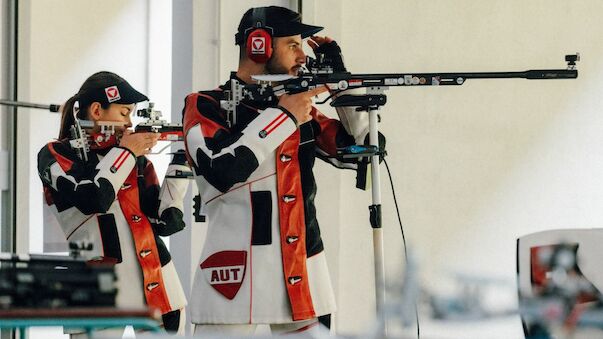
225, 271
112, 93
258, 45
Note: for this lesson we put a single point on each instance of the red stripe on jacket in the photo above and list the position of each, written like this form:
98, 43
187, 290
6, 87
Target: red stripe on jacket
292, 223
275, 123
120, 159
144, 240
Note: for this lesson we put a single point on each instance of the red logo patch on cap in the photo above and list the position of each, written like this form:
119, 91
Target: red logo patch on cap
258, 45
112, 93
225, 271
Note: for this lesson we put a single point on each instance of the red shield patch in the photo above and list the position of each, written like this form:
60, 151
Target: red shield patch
225, 271
258, 45
112, 93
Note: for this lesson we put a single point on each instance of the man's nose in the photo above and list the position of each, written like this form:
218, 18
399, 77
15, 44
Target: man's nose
301, 57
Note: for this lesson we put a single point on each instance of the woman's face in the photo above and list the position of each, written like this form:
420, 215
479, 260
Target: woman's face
119, 113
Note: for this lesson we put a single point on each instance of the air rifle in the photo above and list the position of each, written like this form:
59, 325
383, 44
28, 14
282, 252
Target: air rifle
319, 72
81, 138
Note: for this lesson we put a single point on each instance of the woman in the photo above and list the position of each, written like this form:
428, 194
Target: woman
109, 195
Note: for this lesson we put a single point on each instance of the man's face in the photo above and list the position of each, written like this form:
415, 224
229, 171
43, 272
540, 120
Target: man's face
287, 56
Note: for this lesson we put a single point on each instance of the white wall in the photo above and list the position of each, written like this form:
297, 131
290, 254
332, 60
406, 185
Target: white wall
478, 165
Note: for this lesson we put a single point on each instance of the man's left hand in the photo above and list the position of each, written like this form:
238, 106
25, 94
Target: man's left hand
330, 49
317, 41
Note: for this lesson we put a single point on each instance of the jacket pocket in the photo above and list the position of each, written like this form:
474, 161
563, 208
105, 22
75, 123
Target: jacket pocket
109, 236
261, 209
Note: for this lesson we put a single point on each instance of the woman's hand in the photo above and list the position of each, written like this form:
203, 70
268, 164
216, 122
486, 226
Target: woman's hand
138, 143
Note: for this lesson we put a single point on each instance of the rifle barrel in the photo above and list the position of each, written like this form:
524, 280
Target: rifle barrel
531, 74
430, 79
52, 107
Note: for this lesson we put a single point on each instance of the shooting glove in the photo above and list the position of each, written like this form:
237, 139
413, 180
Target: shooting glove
332, 56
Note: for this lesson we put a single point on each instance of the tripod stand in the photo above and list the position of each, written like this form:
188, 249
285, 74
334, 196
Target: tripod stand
371, 102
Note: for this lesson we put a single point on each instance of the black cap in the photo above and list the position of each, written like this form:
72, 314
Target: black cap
120, 92
281, 21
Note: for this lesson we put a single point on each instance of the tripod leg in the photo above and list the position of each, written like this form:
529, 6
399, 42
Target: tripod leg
375, 216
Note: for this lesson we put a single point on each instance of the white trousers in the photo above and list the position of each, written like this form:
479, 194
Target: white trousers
309, 327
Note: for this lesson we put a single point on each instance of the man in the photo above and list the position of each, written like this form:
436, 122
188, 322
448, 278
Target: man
263, 260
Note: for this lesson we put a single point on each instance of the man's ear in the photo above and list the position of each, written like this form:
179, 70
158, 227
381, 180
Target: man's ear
95, 111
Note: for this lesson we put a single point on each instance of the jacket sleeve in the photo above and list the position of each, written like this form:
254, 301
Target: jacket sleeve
351, 130
355, 123
163, 205
91, 189
331, 136
223, 157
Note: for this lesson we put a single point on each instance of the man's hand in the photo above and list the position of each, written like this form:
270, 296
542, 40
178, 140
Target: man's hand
138, 143
329, 48
317, 41
300, 104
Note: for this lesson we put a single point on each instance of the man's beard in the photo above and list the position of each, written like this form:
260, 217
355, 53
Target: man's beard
273, 66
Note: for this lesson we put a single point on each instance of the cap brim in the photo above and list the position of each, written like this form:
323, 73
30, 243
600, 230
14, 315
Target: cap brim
129, 95
295, 28
120, 93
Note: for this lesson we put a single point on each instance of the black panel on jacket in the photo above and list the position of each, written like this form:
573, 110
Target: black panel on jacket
226, 170
88, 198
148, 195
261, 210
325, 320
171, 321
306, 133
110, 237
45, 161
73, 195
210, 109
221, 139
149, 200
307, 157
164, 254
